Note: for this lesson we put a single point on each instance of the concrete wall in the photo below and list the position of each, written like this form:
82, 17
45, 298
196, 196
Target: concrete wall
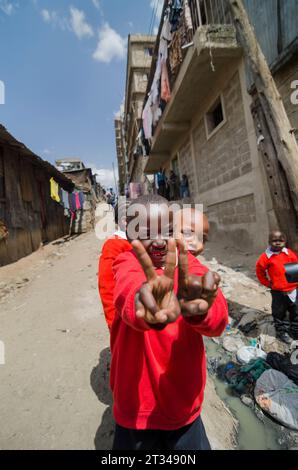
225, 171
283, 78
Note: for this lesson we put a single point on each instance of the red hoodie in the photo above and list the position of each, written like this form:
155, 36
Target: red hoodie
274, 267
158, 377
112, 248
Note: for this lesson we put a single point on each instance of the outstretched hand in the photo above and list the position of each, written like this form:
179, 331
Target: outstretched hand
196, 294
156, 301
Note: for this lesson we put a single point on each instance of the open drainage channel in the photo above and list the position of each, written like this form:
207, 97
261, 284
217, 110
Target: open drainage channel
256, 431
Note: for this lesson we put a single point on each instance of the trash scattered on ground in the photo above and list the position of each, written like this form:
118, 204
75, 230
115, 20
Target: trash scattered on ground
248, 353
277, 395
284, 364
232, 343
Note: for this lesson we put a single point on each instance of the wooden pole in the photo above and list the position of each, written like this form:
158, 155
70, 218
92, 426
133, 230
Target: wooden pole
279, 126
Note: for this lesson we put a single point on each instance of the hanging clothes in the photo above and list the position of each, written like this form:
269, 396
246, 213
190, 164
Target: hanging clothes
165, 83
60, 193
82, 199
187, 23
54, 190
166, 30
175, 55
148, 119
78, 203
175, 15
65, 199
72, 202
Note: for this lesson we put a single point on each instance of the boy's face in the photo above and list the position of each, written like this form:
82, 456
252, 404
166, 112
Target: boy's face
194, 229
155, 231
277, 241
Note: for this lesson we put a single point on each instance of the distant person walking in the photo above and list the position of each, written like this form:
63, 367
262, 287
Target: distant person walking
111, 198
184, 187
161, 182
173, 183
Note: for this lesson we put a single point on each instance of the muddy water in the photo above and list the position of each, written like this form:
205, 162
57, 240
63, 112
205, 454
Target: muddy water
253, 434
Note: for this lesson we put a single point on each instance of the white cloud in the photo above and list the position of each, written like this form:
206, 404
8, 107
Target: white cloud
76, 23
96, 4
110, 45
47, 16
52, 17
105, 176
79, 24
8, 7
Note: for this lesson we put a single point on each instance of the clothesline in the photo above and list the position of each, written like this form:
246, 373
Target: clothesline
72, 202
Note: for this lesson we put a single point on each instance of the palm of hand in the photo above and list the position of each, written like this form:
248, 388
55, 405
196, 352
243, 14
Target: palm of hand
156, 301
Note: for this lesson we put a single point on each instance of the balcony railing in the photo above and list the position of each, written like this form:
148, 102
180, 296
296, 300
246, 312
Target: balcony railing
195, 14
209, 12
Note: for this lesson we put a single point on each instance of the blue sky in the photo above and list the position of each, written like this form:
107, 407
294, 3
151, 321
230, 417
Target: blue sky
63, 63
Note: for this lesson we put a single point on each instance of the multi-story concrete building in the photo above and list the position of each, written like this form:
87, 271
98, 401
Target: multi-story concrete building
206, 130
121, 150
139, 59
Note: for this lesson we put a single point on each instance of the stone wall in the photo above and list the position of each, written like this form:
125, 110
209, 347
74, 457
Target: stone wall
225, 156
238, 214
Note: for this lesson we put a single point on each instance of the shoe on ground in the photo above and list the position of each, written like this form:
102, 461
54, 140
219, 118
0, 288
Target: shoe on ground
285, 338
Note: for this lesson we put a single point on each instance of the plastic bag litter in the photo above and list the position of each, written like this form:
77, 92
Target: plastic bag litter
249, 353
232, 343
278, 396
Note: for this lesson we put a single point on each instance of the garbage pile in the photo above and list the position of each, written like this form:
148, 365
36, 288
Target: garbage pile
257, 373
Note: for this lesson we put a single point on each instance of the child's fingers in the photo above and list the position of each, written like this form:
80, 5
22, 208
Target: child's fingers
140, 310
183, 263
210, 285
147, 299
144, 260
194, 307
194, 288
171, 259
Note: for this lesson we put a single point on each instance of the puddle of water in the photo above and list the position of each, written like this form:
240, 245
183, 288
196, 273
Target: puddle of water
252, 433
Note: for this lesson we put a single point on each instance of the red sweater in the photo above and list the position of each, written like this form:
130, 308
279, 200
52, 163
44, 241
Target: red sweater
158, 377
111, 249
271, 271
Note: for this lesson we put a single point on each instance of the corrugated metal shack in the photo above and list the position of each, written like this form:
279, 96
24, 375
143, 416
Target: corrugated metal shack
84, 182
27, 211
85, 218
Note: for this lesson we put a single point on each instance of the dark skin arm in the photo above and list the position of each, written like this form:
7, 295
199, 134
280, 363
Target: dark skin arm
156, 302
196, 294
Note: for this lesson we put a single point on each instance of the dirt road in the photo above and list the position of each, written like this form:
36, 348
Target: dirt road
54, 390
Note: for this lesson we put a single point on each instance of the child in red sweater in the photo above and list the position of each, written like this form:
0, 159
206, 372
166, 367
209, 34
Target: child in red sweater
165, 301
111, 249
270, 270
193, 226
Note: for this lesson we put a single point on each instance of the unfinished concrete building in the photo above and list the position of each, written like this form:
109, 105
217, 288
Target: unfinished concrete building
206, 129
139, 59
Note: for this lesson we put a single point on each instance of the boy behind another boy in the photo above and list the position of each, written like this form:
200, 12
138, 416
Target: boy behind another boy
164, 303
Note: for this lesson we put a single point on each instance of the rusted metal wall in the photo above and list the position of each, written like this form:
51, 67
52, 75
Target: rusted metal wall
29, 220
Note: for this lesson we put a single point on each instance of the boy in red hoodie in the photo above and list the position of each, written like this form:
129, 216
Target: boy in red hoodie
270, 270
193, 225
165, 302
112, 248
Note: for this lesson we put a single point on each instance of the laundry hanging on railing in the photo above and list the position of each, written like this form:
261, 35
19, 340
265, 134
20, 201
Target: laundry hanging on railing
176, 33
65, 199
54, 187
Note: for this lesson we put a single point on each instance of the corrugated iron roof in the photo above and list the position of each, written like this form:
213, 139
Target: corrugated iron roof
7, 139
